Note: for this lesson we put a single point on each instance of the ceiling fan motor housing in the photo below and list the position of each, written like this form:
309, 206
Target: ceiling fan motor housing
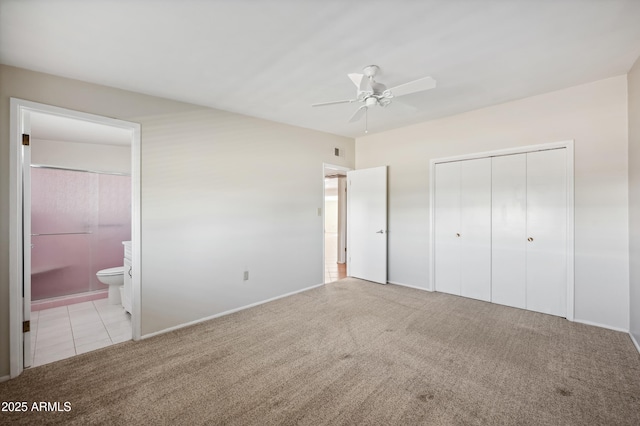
371, 70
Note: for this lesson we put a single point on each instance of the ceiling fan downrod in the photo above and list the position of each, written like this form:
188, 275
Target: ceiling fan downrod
366, 120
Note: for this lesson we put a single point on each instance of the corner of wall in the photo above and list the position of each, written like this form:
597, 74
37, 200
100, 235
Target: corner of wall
633, 99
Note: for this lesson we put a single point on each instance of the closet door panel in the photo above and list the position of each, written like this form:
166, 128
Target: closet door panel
475, 228
447, 226
508, 218
547, 232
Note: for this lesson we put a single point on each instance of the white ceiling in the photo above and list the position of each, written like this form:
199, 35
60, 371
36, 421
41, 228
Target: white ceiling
272, 59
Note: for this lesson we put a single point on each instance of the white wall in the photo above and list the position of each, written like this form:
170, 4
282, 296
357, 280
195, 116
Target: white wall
220, 192
81, 156
634, 198
594, 115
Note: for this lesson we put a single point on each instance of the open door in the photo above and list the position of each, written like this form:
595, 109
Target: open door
367, 218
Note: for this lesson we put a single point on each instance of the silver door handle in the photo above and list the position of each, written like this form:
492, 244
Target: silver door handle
130, 272
380, 232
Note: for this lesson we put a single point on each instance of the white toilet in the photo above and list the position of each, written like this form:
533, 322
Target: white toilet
114, 278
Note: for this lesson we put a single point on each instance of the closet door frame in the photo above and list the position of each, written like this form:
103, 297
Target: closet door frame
568, 145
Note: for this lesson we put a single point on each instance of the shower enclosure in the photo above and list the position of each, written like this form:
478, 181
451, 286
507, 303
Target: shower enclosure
78, 222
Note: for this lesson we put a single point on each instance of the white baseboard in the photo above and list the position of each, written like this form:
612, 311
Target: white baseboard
635, 342
4, 378
221, 314
595, 324
624, 330
410, 286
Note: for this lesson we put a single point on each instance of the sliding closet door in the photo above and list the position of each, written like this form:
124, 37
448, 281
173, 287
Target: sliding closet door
547, 232
447, 227
509, 228
475, 228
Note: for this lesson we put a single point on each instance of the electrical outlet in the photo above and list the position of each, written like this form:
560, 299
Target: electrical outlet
245, 276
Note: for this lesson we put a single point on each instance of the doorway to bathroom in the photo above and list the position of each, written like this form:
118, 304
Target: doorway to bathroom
335, 222
76, 180
79, 221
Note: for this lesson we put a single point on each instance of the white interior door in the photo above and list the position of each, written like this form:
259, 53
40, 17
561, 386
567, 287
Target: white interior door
367, 219
26, 239
475, 228
342, 219
509, 224
447, 228
547, 232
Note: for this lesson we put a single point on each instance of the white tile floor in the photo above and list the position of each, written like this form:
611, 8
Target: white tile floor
62, 332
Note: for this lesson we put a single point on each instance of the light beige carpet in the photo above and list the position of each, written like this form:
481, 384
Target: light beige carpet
350, 352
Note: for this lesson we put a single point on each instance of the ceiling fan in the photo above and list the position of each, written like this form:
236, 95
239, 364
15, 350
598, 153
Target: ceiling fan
371, 93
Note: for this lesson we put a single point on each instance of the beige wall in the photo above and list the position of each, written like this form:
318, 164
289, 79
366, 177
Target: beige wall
220, 192
594, 115
634, 198
81, 156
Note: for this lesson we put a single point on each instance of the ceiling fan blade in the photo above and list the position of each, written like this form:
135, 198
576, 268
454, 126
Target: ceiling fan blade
419, 85
358, 80
346, 101
358, 114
